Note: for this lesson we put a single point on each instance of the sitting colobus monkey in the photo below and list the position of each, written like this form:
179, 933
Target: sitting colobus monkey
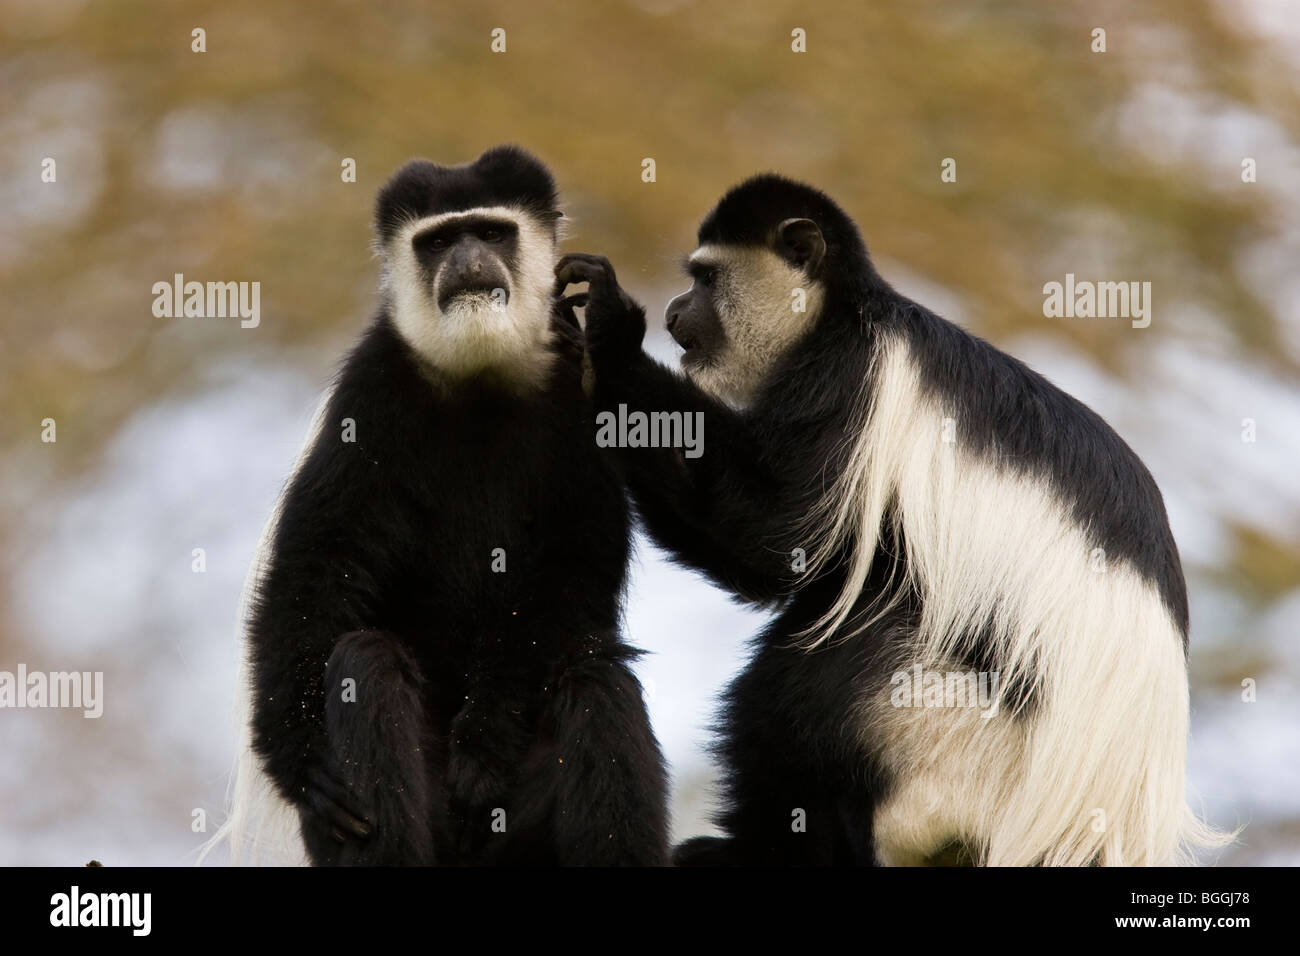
918, 505
433, 653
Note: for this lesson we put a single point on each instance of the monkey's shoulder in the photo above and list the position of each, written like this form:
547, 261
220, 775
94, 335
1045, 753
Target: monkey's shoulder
393, 439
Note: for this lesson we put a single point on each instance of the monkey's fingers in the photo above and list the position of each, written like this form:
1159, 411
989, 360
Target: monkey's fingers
580, 267
332, 801
564, 307
569, 335
573, 271
343, 821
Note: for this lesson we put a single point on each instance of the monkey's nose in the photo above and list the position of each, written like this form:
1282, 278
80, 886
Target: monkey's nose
674, 310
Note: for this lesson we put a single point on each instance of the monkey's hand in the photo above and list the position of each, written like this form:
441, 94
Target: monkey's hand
615, 322
570, 343
334, 825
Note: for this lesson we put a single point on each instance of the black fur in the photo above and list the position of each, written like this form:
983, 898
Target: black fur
475, 690
502, 176
1011, 414
788, 734
477, 252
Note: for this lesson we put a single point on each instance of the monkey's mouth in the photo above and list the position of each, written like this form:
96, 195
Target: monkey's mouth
489, 294
693, 355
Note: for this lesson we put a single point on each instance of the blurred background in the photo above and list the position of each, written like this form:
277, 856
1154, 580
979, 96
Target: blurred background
176, 434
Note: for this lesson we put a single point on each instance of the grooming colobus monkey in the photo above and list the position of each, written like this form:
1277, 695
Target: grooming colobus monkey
433, 654
917, 504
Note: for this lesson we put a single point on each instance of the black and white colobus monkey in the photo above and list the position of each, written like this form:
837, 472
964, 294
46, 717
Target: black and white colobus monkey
433, 651
917, 504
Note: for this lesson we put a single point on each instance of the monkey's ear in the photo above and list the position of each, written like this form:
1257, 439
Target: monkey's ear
800, 243
558, 222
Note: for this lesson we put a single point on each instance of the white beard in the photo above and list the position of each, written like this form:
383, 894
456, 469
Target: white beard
476, 334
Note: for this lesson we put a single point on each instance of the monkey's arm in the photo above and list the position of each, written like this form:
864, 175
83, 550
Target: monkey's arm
302, 607
322, 583
724, 512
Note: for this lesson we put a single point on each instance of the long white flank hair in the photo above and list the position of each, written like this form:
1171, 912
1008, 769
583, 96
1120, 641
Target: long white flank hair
261, 827
1093, 772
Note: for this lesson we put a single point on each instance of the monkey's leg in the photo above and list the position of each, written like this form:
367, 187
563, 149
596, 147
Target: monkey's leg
796, 788
788, 827
706, 851
777, 813
380, 760
487, 744
606, 770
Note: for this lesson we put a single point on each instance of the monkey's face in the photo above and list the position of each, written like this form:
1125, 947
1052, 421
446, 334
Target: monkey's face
469, 254
468, 257
746, 307
471, 291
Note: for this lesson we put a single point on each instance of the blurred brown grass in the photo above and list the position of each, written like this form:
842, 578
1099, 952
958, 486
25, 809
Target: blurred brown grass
711, 91
225, 166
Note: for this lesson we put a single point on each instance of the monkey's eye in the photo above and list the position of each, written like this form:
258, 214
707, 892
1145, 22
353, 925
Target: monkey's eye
707, 277
491, 235
438, 243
